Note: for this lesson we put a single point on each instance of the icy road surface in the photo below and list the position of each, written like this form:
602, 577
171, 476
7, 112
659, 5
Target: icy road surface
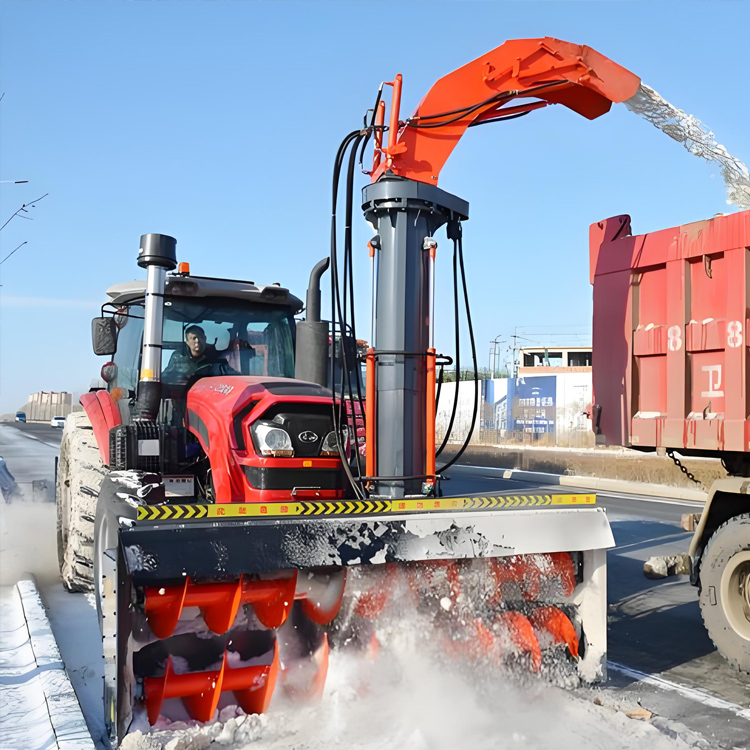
401, 700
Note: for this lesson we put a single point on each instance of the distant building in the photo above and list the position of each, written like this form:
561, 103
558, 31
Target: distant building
561, 358
547, 402
43, 405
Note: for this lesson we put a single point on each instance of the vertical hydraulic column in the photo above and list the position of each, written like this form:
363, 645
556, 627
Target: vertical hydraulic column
403, 212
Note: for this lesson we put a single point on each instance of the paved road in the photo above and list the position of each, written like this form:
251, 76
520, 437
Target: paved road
655, 627
38, 431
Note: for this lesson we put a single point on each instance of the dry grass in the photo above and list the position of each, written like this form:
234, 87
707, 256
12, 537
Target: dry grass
628, 465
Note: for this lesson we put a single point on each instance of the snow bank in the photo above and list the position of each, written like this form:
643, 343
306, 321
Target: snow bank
40, 710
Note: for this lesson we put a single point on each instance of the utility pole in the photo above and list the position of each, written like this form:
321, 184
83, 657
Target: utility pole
494, 354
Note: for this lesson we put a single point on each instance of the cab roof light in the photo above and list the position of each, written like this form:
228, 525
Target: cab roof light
183, 268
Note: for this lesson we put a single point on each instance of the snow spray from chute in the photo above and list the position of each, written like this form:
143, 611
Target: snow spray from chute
696, 138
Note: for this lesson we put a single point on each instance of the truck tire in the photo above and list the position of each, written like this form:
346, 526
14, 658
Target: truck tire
725, 590
79, 477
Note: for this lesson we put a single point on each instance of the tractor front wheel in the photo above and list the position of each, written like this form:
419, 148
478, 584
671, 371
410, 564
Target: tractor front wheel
79, 477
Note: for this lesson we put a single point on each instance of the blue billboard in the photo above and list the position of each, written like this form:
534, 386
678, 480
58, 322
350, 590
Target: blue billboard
531, 404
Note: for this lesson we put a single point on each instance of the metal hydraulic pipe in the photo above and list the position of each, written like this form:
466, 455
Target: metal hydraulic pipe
373, 246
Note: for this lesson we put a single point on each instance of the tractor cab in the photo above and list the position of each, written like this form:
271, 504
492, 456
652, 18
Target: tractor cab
233, 327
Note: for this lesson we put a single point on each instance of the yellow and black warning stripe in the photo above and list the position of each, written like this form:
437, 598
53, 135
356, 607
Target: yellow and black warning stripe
231, 511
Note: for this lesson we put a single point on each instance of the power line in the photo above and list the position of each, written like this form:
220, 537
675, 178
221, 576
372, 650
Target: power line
25, 242
23, 210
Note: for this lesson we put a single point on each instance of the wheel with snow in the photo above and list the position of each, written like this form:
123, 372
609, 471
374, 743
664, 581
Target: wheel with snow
725, 590
79, 477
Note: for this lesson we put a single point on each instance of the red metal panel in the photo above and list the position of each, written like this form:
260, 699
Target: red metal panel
671, 311
103, 415
219, 412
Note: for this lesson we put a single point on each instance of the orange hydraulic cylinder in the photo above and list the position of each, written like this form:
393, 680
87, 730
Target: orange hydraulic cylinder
395, 108
379, 122
370, 413
430, 412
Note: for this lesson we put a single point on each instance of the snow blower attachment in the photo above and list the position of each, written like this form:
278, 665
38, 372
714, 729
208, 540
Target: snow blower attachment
239, 537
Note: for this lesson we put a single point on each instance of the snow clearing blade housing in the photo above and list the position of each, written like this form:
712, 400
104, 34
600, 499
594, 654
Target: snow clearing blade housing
242, 563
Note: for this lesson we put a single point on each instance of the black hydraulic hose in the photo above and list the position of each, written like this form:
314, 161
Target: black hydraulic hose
360, 400
349, 266
474, 359
371, 128
457, 324
336, 300
462, 112
499, 119
335, 286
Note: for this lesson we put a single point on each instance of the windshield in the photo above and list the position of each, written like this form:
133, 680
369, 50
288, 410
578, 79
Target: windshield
217, 336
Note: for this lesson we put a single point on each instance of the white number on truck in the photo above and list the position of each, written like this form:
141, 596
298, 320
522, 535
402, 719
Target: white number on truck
674, 334
734, 333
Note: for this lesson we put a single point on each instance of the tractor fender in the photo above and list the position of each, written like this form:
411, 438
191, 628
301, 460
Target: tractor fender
727, 498
103, 414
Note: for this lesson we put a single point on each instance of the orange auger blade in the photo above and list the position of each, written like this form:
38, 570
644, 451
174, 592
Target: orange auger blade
528, 576
564, 570
557, 624
312, 689
548, 70
373, 599
322, 603
517, 575
522, 635
219, 602
200, 691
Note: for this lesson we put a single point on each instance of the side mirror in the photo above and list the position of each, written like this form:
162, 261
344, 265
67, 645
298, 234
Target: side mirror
104, 336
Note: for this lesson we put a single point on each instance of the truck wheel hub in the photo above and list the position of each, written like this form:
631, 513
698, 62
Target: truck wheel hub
735, 593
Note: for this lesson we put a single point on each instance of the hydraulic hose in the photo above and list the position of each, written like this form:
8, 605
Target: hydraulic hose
473, 356
336, 303
457, 322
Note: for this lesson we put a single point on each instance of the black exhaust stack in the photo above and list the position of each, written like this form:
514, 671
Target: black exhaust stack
311, 360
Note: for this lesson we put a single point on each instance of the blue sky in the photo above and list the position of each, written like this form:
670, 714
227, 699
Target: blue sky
218, 122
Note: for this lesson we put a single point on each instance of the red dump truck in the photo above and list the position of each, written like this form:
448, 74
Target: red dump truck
671, 315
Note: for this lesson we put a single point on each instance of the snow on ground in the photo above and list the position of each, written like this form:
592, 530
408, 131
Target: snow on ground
406, 702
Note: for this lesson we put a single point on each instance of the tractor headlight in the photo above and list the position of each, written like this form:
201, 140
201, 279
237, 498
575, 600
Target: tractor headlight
330, 445
273, 441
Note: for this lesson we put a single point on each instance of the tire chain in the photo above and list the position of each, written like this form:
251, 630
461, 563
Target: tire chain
684, 470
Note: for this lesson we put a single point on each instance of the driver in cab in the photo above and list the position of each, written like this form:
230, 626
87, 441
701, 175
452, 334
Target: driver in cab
197, 359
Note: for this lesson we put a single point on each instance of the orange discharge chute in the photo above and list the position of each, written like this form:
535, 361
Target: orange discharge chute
537, 71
